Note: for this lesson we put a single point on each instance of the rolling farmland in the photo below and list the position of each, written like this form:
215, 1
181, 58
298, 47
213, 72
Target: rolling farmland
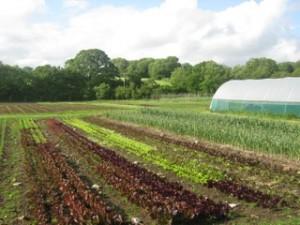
146, 162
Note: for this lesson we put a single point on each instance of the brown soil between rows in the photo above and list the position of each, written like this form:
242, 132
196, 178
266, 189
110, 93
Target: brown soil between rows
276, 163
32, 108
244, 213
253, 176
85, 164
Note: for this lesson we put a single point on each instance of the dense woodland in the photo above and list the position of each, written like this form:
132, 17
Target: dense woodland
91, 74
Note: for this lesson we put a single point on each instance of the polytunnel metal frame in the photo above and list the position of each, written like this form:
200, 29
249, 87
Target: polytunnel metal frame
277, 96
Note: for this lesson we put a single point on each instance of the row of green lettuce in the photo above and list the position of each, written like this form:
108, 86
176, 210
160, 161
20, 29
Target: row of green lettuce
193, 170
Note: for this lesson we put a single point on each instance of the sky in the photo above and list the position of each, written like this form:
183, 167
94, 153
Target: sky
230, 32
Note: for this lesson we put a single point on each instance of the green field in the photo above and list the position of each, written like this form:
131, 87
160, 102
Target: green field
257, 132
52, 155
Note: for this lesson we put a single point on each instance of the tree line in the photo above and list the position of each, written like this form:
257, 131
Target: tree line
91, 75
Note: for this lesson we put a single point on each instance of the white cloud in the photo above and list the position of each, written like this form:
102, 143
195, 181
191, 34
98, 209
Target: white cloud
286, 50
176, 27
16, 36
20, 9
238, 33
81, 4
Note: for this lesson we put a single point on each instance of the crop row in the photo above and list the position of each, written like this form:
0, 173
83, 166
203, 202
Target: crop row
187, 168
193, 170
275, 137
38, 178
245, 193
2, 136
20, 108
34, 130
164, 199
73, 202
32, 108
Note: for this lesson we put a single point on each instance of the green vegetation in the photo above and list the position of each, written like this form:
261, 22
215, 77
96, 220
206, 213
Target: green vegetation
283, 222
110, 137
60, 114
271, 136
193, 170
2, 136
187, 116
34, 130
164, 82
12, 188
91, 75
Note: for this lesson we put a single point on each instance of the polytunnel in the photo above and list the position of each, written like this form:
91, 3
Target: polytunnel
278, 96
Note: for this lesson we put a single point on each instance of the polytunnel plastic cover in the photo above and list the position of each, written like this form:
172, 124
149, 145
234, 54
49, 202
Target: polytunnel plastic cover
281, 96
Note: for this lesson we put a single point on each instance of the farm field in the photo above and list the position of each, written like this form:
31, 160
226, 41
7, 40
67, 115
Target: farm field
168, 161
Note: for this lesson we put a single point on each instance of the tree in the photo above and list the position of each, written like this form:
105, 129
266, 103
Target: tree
13, 84
257, 68
132, 75
213, 76
180, 78
138, 69
296, 72
96, 66
133, 71
142, 67
121, 64
237, 72
207, 76
52, 83
162, 68
74, 85
287, 67
103, 91
122, 92
296, 64
46, 80
147, 89
195, 78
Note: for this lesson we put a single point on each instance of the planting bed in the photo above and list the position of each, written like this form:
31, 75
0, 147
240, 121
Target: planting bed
34, 108
57, 192
166, 201
93, 170
2, 136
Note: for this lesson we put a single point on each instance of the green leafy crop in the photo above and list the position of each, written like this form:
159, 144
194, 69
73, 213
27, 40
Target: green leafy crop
190, 169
